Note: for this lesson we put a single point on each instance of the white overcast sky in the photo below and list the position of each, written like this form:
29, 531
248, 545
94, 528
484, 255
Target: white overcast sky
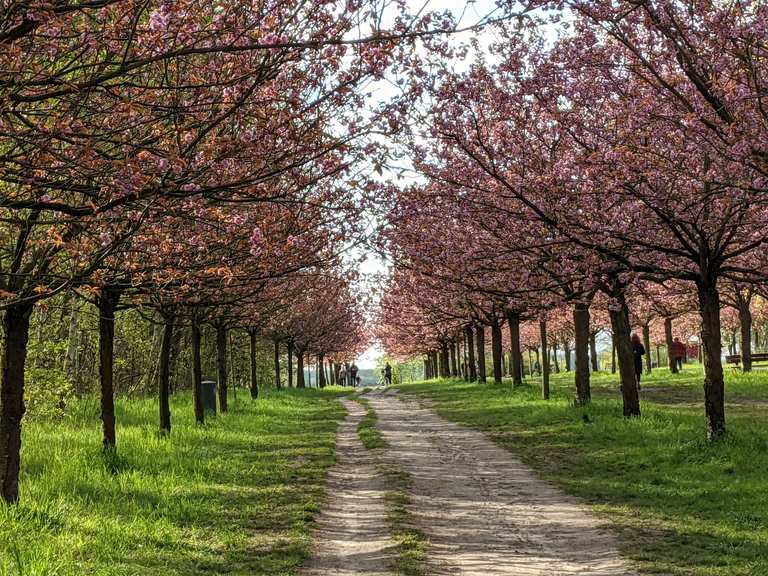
474, 13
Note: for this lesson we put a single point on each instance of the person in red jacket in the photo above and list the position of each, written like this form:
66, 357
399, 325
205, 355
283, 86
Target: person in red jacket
677, 353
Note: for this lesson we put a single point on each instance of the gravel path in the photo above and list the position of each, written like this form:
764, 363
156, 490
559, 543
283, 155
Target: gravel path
351, 537
484, 511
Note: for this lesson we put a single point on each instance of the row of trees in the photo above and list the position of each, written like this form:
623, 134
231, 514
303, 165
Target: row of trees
618, 169
200, 163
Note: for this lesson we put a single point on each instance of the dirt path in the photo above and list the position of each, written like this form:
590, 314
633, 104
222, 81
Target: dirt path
484, 511
351, 536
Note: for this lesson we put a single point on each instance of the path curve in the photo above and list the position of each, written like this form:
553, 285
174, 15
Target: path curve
484, 511
351, 537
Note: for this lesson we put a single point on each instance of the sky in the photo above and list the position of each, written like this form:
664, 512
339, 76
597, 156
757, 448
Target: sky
475, 11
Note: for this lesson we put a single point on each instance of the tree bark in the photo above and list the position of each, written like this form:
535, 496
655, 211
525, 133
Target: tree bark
567, 355
73, 338
164, 373
197, 370
290, 364
14, 357
471, 365
480, 338
593, 351
445, 370
221, 365
647, 345
714, 386
454, 360
669, 339
581, 349
613, 354
300, 369
555, 360
278, 384
252, 362
496, 350
544, 360
106, 303
621, 333
745, 324
321, 371
513, 319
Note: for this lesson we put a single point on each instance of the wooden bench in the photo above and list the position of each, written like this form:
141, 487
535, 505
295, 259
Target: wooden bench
736, 358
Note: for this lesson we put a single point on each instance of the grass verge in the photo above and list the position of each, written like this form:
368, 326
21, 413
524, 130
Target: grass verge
681, 505
234, 497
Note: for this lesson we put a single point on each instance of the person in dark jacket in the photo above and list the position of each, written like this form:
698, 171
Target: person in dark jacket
638, 351
388, 374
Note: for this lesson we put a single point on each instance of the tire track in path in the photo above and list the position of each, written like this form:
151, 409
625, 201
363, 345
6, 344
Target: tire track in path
351, 537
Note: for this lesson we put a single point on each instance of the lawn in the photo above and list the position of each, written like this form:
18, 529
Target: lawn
680, 505
234, 497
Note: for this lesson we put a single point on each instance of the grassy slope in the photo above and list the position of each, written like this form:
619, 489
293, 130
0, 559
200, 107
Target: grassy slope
234, 497
682, 506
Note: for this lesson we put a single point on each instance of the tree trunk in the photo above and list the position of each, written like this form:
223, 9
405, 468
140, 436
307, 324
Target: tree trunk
513, 319
555, 360
544, 360
621, 334
300, 369
647, 345
471, 365
530, 362
14, 357
321, 371
480, 337
290, 364
454, 359
221, 365
668, 337
278, 385
164, 373
581, 349
613, 354
658, 356
107, 302
714, 387
445, 370
745, 323
73, 338
197, 370
567, 355
593, 352
496, 353
253, 365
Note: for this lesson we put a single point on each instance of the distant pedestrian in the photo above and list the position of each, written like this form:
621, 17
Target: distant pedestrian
343, 376
677, 352
388, 374
353, 374
638, 351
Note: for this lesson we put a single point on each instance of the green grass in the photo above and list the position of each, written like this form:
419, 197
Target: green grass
233, 497
681, 506
369, 435
411, 543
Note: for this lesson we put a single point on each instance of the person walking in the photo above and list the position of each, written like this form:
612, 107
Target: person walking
388, 374
353, 374
678, 353
638, 351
